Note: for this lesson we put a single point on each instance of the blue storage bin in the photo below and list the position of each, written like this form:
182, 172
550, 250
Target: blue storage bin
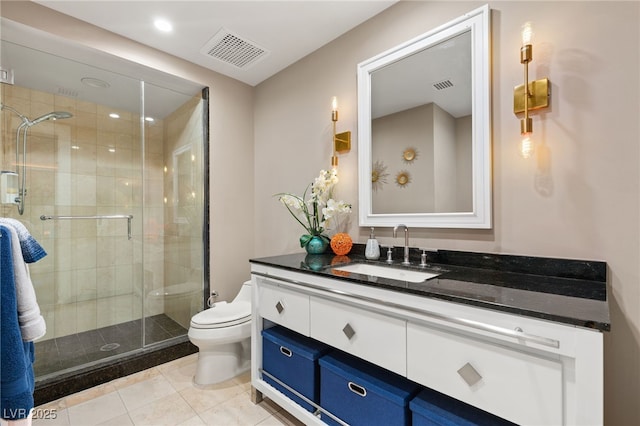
293, 359
432, 408
360, 393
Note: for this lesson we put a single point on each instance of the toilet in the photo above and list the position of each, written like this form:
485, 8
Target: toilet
222, 334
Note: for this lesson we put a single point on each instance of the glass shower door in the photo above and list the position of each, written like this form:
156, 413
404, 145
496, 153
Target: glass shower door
174, 206
84, 200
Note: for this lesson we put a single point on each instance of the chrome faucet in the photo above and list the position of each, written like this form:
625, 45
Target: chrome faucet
406, 241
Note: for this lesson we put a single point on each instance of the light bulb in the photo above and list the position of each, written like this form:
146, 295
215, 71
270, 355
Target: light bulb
527, 34
526, 146
334, 112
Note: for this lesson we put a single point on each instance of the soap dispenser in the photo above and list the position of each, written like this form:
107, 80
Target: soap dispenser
372, 250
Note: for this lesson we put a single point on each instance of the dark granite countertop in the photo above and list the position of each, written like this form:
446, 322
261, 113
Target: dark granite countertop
561, 290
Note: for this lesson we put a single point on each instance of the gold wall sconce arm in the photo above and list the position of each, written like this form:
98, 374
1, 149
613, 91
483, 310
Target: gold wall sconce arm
341, 141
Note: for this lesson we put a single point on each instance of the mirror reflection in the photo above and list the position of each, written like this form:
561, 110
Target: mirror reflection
421, 131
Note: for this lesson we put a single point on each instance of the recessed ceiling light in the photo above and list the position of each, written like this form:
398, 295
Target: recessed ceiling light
114, 115
163, 25
149, 119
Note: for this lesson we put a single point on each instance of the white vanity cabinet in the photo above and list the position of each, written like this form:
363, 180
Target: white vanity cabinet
365, 333
283, 306
510, 383
526, 370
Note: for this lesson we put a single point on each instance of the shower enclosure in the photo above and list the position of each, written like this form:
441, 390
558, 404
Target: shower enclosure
114, 190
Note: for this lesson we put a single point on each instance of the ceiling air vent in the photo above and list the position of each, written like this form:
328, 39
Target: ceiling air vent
233, 49
444, 84
70, 93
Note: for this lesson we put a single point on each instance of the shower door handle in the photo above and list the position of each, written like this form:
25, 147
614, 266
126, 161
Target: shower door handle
129, 217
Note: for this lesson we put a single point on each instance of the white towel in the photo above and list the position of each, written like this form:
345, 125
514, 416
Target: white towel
32, 251
32, 324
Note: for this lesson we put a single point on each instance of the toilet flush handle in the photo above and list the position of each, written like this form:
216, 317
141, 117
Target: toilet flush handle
211, 301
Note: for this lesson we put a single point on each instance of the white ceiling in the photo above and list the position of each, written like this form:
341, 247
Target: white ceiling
287, 30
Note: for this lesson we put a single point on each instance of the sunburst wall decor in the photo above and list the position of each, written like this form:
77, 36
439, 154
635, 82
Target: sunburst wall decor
378, 175
409, 155
403, 178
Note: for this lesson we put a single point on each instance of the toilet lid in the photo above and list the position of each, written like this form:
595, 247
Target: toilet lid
223, 315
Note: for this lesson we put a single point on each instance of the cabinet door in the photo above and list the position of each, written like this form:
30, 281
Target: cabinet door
371, 336
283, 306
518, 386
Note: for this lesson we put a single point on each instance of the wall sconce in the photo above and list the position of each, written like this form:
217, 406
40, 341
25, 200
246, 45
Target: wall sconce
530, 95
341, 141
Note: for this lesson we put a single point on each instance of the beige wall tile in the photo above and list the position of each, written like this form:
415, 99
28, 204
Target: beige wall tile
105, 281
65, 287
66, 319
87, 315
86, 284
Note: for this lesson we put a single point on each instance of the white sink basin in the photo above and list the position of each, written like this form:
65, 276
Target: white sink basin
387, 272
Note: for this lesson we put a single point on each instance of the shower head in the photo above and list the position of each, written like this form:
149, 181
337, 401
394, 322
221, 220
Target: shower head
55, 115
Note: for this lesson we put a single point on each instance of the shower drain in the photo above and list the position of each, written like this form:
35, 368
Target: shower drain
110, 347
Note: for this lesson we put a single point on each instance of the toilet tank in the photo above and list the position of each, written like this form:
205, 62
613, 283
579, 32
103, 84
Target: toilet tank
245, 292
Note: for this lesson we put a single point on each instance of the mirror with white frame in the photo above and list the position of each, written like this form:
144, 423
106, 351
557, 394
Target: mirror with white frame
424, 129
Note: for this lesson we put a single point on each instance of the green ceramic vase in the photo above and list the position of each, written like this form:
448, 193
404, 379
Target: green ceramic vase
316, 245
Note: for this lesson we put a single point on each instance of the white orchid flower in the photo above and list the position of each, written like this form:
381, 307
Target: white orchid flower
319, 211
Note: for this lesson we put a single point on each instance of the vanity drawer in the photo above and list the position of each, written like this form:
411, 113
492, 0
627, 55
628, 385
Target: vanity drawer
283, 306
371, 336
518, 386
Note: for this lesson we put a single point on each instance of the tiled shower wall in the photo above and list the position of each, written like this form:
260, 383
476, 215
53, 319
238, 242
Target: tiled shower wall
91, 164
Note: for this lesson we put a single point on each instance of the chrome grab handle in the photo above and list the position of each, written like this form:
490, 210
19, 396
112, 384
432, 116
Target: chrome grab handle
517, 333
114, 216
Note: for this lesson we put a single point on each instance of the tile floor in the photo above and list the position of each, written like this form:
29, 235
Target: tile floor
165, 395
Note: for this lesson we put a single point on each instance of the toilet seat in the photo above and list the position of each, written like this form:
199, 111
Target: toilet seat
223, 315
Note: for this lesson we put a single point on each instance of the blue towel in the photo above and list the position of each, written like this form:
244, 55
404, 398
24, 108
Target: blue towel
32, 251
16, 357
